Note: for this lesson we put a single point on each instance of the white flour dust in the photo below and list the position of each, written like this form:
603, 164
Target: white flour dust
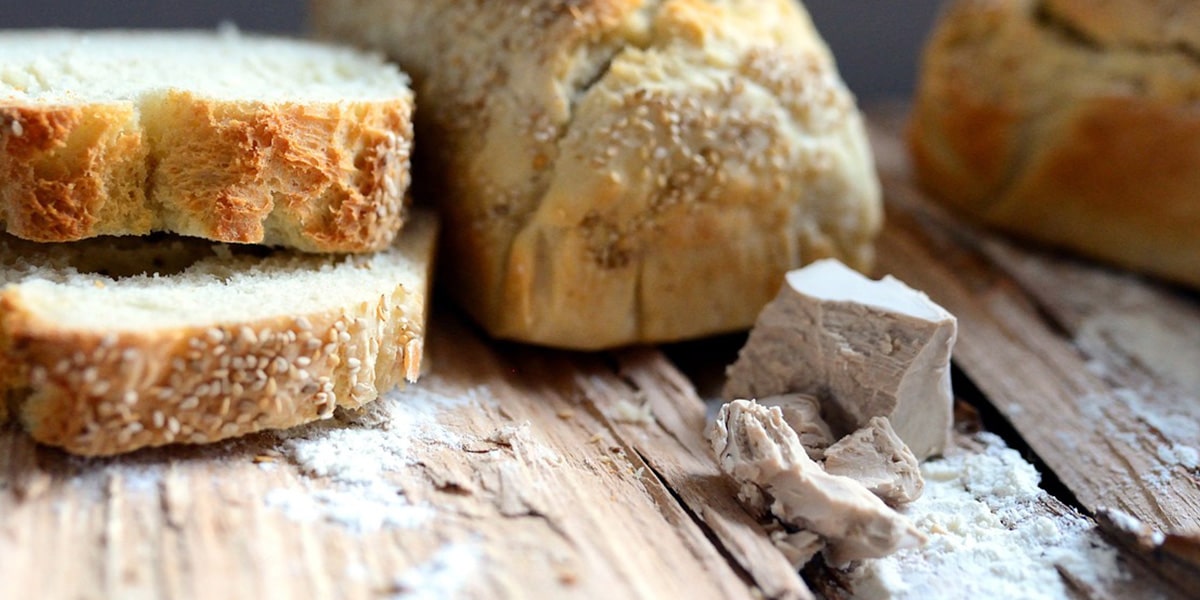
355, 456
442, 576
988, 537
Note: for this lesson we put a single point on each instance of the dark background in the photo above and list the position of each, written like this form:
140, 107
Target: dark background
876, 41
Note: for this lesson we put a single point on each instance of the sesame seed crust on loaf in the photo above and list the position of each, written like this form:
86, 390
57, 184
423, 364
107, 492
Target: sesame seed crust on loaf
318, 173
626, 171
92, 389
1069, 123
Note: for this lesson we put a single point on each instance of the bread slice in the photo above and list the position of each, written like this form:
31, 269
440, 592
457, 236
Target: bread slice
218, 135
99, 358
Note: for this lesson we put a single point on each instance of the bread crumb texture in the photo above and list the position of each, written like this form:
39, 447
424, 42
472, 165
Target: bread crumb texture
222, 136
215, 345
620, 171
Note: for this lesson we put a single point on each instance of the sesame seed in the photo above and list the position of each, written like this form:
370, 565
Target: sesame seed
173, 426
302, 324
159, 419
303, 361
189, 403
17, 129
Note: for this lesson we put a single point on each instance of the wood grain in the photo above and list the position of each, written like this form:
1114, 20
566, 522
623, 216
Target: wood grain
529, 473
542, 488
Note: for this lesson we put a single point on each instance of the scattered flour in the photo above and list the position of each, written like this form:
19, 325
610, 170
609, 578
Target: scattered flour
1177, 454
987, 538
443, 576
361, 510
355, 458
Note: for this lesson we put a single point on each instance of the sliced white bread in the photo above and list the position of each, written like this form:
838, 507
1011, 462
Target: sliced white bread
218, 135
217, 341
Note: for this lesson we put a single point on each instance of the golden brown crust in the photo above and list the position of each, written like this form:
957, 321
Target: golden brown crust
627, 171
1147, 23
318, 177
100, 393
1026, 123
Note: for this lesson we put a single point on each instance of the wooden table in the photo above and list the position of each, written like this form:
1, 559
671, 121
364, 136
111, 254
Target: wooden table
517, 472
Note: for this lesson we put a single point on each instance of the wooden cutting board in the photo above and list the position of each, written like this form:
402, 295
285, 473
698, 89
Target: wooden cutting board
517, 472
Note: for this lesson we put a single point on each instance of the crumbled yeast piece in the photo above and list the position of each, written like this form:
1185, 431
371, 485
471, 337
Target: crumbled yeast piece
754, 445
863, 348
877, 458
803, 414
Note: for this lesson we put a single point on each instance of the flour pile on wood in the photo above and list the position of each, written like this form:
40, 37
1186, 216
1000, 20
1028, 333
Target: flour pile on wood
989, 536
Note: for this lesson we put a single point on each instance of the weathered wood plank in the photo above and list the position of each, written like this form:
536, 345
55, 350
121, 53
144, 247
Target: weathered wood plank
1078, 388
494, 477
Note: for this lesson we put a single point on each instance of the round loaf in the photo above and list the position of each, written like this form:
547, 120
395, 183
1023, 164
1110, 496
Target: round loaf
216, 135
1069, 122
626, 171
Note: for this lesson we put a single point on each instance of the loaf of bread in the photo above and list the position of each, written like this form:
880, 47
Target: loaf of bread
218, 135
617, 172
1069, 122
114, 344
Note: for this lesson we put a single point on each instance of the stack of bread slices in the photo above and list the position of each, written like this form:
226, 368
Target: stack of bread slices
207, 234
